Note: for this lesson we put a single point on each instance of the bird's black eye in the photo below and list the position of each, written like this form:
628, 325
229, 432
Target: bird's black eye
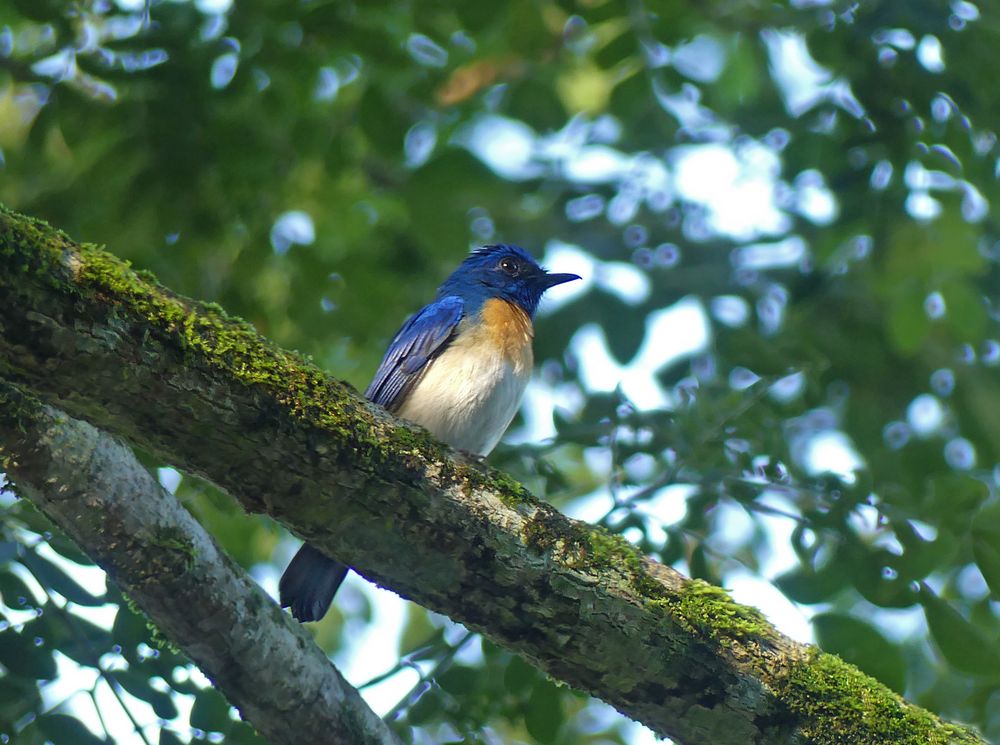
510, 266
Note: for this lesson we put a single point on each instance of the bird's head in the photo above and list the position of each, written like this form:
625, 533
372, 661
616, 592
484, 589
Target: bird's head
502, 271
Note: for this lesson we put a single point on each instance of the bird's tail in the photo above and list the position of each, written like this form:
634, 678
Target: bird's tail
309, 583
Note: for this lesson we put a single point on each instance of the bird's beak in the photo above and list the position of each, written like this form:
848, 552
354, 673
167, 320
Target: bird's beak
551, 280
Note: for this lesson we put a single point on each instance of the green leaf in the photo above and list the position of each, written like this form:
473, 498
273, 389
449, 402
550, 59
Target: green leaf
955, 499
907, 321
22, 656
18, 697
69, 550
532, 102
77, 638
743, 74
877, 585
425, 708
138, 685
861, 645
66, 730
475, 15
13, 592
382, 122
806, 586
964, 645
986, 545
211, 712
418, 633
129, 631
519, 676
459, 679
928, 252
52, 577
167, 737
543, 714
8, 550
965, 310
987, 557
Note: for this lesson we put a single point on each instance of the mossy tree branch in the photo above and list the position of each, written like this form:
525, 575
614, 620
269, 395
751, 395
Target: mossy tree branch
207, 394
94, 488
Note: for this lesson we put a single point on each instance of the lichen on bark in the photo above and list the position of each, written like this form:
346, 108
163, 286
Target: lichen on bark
206, 393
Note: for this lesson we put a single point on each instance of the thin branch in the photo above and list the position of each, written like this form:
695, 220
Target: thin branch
93, 488
94, 658
439, 668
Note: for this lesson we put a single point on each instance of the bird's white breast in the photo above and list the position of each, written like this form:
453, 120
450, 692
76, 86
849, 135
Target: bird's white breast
470, 393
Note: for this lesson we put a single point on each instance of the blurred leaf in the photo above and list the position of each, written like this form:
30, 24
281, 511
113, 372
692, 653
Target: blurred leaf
382, 122
743, 76
543, 714
19, 696
66, 730
13, 592
76, 637
519, 676
806, 586
459, 679
425, 708
964, 645
860, 644
8, 550
167, 737
907, 321
211, 712
941, 248
129, 631
137, 684
51, 576
418, 631
955, 498
988, 559
531, 101
965, 310
21, 655
68, 550
875, 576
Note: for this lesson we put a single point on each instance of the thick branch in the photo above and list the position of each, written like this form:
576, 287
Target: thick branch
94, 488
205, 392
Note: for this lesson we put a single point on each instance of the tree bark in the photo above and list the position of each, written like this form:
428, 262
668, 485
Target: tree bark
93, 488
206, 393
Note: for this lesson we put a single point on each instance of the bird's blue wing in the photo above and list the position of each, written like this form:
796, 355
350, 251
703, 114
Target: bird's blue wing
424, 336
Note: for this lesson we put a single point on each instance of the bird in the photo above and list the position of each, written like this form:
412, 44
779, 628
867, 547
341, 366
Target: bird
457, 367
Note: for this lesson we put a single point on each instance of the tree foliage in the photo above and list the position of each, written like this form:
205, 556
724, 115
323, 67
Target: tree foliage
812, 181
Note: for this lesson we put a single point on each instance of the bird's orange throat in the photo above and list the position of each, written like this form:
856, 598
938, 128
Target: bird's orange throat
509, 328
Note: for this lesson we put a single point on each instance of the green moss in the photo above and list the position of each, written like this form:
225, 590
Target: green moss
159, 639
176, 541
840, 705
585, 547
203, 334
697, 606
20, 237
18, 410
511, 492
710, 611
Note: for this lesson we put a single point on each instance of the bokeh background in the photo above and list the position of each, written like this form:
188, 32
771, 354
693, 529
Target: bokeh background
779, 374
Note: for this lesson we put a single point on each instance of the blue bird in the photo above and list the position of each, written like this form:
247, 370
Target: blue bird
458, 368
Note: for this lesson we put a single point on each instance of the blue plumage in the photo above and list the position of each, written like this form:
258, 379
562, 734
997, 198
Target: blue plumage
482, 276
457, 367
421, 338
